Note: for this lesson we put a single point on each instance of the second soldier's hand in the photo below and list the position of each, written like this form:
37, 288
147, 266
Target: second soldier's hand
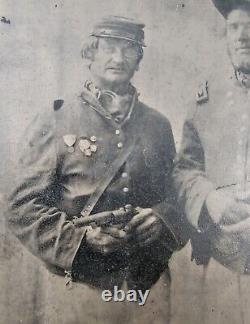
145, 226
106, 240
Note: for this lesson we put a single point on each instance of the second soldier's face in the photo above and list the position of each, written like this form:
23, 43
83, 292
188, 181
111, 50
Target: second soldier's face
238, 39
115, 61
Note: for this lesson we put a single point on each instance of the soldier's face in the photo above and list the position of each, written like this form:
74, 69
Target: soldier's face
115, 61
238, 38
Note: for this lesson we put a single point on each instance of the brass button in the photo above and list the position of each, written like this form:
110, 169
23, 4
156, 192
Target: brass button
120, 145
124, 175
125, 189
117, 132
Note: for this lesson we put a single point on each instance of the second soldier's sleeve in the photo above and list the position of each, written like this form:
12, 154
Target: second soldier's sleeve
189, 175
44, 229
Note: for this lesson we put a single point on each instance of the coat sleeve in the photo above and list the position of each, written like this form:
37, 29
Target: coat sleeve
176, 234
44, 229
189, 175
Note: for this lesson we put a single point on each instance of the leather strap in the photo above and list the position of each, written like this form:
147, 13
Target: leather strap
109, 175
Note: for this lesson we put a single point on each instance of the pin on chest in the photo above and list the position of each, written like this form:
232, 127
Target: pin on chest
86, 145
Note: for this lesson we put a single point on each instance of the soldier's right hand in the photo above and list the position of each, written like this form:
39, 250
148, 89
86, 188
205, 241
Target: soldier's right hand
225, 208
106, 239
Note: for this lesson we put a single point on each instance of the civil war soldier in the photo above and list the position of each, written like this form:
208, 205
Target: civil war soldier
212, 173
93, 196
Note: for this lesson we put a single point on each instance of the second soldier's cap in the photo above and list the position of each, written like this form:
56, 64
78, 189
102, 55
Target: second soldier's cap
121, 28
226, 6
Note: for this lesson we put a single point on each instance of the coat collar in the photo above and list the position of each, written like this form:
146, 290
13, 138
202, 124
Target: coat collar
92, 100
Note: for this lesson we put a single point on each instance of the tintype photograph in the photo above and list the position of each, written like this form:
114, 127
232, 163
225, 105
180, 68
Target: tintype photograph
125, 170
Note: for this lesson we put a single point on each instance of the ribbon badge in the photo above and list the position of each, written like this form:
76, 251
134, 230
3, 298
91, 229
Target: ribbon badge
70, 140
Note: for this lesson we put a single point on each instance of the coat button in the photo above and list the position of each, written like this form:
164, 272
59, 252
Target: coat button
117, 132
125, 189
120, 145
124, 175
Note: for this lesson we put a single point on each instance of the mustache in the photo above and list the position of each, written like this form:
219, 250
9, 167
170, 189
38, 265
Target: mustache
122, 67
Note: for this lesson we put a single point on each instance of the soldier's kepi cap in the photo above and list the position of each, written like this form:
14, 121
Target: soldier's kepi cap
226, 6
121, 28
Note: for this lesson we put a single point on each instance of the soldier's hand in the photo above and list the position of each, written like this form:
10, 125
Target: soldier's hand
145, 226
106, 239
225, 208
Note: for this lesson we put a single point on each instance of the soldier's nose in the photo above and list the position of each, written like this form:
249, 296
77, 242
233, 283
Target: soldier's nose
243, 34
117, 56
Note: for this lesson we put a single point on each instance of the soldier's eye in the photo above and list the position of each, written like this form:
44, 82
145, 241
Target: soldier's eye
233, 26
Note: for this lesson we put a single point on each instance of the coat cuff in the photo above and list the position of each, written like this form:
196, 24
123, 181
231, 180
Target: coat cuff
196, 199
174, 223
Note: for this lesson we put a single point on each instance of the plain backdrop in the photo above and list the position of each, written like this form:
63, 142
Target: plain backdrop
40, 61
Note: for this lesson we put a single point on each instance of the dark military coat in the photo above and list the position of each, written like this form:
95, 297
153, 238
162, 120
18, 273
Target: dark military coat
55, 178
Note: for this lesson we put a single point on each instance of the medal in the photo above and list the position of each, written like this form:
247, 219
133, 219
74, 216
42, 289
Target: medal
88, 152
84, 145
93, 148
70, 140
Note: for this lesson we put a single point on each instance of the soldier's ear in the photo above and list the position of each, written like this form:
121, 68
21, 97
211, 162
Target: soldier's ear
88, 63
87, 54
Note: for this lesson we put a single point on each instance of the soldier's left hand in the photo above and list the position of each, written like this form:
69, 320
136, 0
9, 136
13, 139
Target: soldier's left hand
145, 226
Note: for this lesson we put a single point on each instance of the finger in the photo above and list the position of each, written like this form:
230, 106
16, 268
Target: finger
147, 224
138, 219
97, 237
109, 245
114, 232
108, 240
93, 232
154, 231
